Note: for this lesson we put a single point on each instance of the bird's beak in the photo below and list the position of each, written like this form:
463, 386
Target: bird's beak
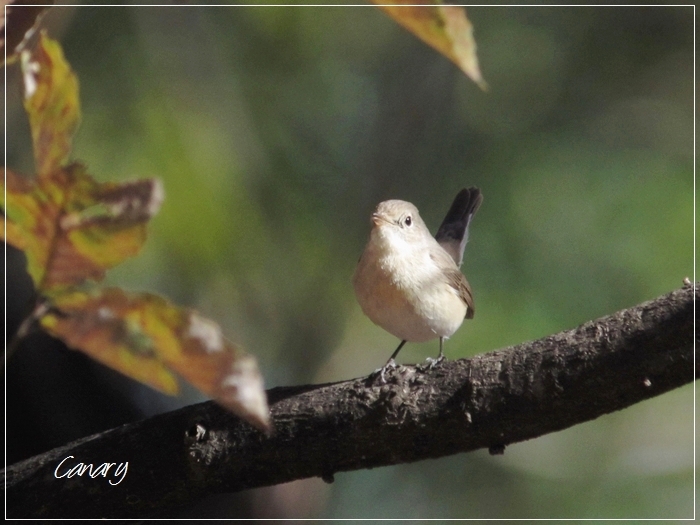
377, 219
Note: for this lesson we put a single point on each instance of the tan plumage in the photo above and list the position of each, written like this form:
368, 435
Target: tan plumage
406, 281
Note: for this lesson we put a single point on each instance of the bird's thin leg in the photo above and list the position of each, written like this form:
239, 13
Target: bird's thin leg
396, 352
440, 358
390, 363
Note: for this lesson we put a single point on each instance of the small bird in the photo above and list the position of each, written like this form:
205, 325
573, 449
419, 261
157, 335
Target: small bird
408, 282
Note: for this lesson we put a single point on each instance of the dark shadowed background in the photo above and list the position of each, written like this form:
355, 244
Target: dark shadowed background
276, 130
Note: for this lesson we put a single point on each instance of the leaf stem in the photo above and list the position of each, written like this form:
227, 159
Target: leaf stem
27, 327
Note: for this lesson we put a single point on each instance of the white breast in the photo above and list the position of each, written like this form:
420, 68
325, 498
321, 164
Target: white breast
403, 291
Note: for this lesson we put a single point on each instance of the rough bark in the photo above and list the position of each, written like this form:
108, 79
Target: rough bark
490, 401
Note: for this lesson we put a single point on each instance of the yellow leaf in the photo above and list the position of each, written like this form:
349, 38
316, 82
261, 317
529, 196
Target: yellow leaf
446, 28
52, 104
73, 228
147, 338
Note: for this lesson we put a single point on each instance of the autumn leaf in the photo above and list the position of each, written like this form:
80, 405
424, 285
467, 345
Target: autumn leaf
52, 103
446, 28
73, 228
149, 339
18, 22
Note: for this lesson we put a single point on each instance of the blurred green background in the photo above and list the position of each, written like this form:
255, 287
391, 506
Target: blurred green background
276, 130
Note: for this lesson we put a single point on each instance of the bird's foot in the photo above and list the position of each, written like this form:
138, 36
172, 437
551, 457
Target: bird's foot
379, 372
432, 363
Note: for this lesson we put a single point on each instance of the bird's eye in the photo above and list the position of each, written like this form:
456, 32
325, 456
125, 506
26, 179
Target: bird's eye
408, 221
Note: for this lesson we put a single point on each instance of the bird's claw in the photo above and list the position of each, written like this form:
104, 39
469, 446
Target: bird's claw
432, 363
379, 372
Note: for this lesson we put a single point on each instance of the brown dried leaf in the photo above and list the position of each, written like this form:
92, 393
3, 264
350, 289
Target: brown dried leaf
446, 28
148, 338
73, 228
17, 23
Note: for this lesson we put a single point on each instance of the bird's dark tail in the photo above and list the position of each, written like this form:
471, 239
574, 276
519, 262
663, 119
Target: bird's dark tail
454, 230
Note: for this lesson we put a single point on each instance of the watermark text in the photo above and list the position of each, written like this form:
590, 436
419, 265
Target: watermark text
69, 469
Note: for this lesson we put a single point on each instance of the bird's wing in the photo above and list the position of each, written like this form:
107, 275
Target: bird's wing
455, 279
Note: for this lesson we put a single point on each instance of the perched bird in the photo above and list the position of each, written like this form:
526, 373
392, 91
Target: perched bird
408, 282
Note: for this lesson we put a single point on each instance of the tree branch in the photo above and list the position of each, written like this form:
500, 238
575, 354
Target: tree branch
491, 400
